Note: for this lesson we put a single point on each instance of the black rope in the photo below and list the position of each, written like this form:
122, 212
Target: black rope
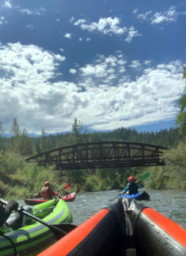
10, 240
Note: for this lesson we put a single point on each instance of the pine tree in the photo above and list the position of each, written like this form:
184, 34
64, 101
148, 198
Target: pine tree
76, 130
15, 129
1, 133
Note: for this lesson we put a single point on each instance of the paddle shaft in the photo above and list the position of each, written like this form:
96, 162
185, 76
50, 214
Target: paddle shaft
55, 228
113, 198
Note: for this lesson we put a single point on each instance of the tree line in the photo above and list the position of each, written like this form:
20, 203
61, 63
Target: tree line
19, 178
20, 142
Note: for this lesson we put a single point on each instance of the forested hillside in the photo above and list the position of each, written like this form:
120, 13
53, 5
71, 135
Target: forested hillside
19, 178
21, 143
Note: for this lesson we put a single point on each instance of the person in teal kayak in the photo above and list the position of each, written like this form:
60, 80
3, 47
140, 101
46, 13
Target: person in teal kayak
132, 187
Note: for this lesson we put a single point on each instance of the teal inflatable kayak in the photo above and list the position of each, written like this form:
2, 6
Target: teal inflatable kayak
33, 238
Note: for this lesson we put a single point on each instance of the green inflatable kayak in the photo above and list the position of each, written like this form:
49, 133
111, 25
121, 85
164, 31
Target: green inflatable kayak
35, 236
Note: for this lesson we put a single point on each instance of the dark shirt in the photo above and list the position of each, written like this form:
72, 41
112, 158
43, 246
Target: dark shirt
131, 188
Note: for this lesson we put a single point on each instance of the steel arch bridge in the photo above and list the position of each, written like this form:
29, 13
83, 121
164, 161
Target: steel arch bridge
101, 155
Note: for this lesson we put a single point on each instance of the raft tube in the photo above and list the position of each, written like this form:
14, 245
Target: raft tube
33, 201
125, 228
32, 239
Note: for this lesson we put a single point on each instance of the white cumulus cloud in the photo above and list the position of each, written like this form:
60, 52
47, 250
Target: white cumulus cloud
2, 20
170, 15
108, 26
104, 25
132, 32
68, 35
103, 97
7, 4
167, 16
72, 71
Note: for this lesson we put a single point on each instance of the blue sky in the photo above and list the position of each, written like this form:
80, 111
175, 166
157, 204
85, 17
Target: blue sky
110, 64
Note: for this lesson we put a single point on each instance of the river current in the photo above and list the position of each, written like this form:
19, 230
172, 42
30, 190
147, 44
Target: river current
171, 203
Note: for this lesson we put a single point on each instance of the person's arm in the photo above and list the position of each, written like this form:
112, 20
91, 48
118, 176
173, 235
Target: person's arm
52, 193
139, 185
42, 192
125, 190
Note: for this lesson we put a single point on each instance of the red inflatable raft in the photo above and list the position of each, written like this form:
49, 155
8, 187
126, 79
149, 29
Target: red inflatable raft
125, 228
33, 201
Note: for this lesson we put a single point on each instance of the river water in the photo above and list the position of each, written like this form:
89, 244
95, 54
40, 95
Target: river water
171, 203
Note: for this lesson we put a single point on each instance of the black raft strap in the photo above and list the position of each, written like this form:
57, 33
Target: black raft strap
132, 211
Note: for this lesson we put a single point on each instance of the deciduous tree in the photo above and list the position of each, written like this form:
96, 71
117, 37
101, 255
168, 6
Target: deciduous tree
181, 118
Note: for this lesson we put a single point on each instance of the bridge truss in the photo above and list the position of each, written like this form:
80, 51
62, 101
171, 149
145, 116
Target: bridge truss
101, 155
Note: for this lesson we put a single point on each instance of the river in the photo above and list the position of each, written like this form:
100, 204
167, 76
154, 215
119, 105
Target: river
171, 203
